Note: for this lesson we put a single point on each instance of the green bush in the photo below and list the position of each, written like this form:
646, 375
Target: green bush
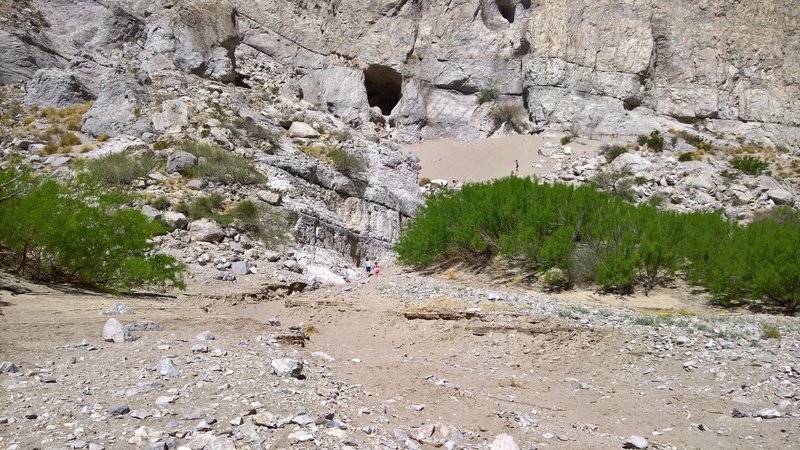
252, 132
685, 157
486, 95
612, 152
262, 222
566, 140
202, 207
221, 166
347, 162
161, 203
81, 235
695, 140
653, 141
750, 165
121, 168
601, 239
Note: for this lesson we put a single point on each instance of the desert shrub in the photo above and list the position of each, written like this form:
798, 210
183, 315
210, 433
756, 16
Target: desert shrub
616, 181
262, 222
121, 168
612, 152
566, 140
685, 157
203, 207
508, 113
347, 162
161, 203
69, 139
81, 235
250, 130
342, 136
486, 95
221, 166
749, 165
770, 331
697, 141
103, 137
600, 239
653, 141
69, 116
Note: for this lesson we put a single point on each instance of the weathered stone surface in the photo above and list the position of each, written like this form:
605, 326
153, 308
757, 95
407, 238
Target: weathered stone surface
174, 220
117, 110
287, 367
503, 442
206, 231
167, 368
635, 442
338, 89
174, 115
114, 331
117, 309
56, 88
302, 130
179, 161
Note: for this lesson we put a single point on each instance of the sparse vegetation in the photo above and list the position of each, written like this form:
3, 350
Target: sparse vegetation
203, 207
750, 165
653, 141
161, 203
509, 113
770, 331
566, 140
612, 152
347, 162
486, 95
262, 222
685, 157
697, 141
121, 168
248, 129
221, 166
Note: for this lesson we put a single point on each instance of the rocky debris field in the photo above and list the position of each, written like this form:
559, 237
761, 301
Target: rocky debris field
401, 361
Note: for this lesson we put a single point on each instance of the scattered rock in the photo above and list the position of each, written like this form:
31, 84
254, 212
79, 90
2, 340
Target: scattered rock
206, 336
179, 161
302, 130
143, 325
767, 413
287, 367
118, 410
8, 367
167, 368
205, 230
503, 442
114, 331
635, 442
117, 309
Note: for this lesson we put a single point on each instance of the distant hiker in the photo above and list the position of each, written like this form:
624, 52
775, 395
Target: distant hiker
516, 163
376, 269
369, 268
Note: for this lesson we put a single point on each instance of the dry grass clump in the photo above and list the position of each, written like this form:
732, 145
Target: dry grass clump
68, 116
440, 304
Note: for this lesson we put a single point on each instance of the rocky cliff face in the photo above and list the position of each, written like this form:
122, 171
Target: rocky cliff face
615, 67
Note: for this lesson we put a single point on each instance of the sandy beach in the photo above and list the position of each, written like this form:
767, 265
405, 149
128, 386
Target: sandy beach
487, 159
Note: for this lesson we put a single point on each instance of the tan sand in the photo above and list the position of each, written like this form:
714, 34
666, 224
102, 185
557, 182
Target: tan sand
487, 159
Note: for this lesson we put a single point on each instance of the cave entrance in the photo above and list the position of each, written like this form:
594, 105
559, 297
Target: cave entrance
507, 9
384, 87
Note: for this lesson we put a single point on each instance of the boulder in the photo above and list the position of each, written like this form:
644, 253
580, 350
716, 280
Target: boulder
205, 230
143, 325
56, 88
206, 336
174, 220
8, 367
287, 367
503, 442
241, 268
117, 309
114, 331
302, 130
635, 442
631, 161
338, 89
273, 198
174, 115
117, 110
781, 196
179, 161
118, 144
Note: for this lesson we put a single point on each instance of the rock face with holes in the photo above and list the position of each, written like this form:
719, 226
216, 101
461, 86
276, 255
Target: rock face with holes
419, 66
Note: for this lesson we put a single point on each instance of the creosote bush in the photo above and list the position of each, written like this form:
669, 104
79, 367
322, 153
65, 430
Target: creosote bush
601, 239
80, 234
509, 113
221, 166
685, 157
121, 168
261, 221
612, 152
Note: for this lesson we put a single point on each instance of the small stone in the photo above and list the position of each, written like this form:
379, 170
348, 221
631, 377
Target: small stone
179, 161
8, 367
302, 130
167, 368
118, 410
285, 367
300, 436
739, 413
114, 331
164, 400
117, 309
503, 442
221, 443
30, 415
767, 413
323, 356
206, 336
635, 442
140, 414
143, 325
195, 184
240, 268
199, 348
78, 444
203, 426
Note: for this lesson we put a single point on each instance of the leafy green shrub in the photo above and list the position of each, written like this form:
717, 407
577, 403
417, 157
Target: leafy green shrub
653, 141
121, 168
262, 222
685, 157
599, 238
486, 95
566, 140
509, 113
697, 141
80, 235
750, 165
612, 152
220, 165
616, 181
161, 203
347, 162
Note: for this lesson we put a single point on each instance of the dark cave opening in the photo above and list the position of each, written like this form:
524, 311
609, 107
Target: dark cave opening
384, 87
507, 9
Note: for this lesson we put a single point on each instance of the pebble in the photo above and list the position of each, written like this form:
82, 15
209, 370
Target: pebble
206, 336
